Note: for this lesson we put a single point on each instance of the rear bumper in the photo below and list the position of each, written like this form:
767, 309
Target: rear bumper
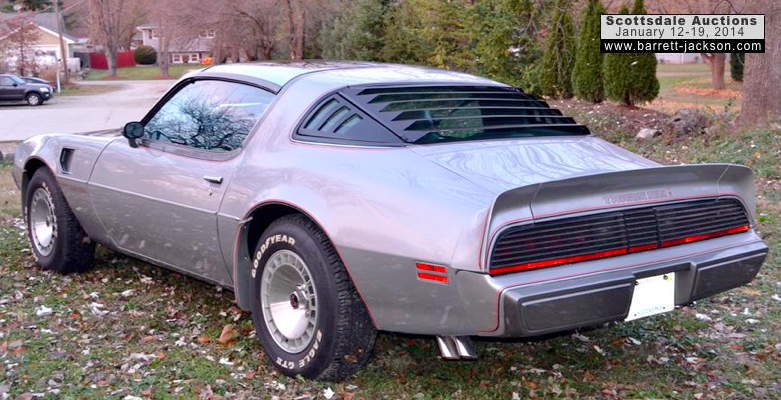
544, 302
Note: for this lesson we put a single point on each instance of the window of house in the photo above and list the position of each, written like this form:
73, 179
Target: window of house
209, 115
209, 33
195, 58
176, 58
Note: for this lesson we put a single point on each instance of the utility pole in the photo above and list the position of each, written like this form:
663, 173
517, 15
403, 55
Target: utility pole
63, 54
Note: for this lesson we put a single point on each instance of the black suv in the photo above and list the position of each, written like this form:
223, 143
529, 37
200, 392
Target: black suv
14, 88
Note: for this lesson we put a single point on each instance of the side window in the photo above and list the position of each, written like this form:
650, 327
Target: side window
209, 115
6, 81
337, 120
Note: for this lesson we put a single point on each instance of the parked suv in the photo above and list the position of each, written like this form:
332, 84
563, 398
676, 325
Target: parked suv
13, 88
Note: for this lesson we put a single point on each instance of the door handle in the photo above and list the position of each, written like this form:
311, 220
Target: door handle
213, 179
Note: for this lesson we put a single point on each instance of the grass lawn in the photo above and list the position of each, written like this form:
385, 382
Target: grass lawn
700, 68
688, 86
87, 90
143, 72
131, 329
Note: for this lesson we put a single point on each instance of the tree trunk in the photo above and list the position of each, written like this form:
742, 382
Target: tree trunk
717, 71
295, 30
762, 71
266, 51
163, 57
111, 59
716, 63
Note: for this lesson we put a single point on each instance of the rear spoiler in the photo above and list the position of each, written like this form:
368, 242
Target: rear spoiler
617, 189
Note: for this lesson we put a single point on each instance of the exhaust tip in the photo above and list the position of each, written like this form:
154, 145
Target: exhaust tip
456, 348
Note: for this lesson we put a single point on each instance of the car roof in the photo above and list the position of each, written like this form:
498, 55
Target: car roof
278, 74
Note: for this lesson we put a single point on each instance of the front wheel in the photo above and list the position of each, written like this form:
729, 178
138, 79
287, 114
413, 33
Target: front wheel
34, 99
306, 311
56, 237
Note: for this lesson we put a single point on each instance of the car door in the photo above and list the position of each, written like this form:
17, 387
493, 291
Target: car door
10, 90
160, 200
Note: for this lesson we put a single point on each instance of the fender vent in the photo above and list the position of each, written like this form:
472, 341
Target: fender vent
66, 155
607, 234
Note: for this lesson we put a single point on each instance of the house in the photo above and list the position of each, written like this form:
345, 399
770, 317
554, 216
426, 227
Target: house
45, 48
181, 50
678, 58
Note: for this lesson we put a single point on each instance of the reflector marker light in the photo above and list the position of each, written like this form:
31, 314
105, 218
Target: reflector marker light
439, 272
615, 252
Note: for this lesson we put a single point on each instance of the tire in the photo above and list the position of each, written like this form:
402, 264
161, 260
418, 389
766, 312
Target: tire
33, 99
69, 249
342, 334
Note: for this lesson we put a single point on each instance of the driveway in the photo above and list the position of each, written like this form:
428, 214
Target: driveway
72, 114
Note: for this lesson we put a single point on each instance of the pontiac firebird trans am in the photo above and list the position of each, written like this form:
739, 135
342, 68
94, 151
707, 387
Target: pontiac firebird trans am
338, 199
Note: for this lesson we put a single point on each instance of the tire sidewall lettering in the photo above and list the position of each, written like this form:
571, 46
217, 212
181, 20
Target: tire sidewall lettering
306, 359
278, 238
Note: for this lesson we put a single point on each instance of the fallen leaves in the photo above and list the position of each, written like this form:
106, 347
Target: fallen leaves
229, 335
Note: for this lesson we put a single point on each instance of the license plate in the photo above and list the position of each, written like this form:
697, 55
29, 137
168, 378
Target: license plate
653, 295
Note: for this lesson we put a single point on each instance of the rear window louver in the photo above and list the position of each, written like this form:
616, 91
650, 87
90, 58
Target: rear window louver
422, 114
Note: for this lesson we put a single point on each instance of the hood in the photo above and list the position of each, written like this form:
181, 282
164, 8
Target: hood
502, 165
37, 85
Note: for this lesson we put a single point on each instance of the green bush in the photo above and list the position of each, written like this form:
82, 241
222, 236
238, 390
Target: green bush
559, 56
358, 33
630, 78
736, 63
587, 82
145, 55
645, 85
502, 41
616, 73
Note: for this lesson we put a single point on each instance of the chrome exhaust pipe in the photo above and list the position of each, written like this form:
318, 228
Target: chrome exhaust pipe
456, 348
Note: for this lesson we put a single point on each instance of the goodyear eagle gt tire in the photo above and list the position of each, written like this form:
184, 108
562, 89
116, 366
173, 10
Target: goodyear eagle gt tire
306, 311
56, 237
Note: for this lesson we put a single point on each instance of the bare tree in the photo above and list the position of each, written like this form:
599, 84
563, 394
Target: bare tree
716, 61
762, 74
113, 24
18, 43
296, 20
261, 19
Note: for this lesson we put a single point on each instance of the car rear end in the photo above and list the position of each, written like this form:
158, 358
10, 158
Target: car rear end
580, 232
611, 247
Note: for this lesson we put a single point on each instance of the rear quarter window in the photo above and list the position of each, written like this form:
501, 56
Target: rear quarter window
336, 120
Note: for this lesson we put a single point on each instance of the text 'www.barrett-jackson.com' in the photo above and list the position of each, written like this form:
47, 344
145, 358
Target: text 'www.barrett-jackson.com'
683, 33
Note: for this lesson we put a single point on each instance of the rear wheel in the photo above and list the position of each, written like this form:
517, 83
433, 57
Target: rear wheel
307, 313
34, 99
56, 237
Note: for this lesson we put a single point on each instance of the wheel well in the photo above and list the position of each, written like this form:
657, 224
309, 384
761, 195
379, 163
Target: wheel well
30, 167
262, 217
249, 235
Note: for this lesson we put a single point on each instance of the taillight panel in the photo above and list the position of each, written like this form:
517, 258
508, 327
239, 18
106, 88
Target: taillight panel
613, 233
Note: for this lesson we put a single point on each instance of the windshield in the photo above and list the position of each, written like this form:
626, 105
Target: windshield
432, 114
16, 79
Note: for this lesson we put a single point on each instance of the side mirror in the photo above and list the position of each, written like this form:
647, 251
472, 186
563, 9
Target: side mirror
133, 131
15, 84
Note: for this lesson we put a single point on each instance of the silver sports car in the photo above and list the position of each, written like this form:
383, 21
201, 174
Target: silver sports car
338, 199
